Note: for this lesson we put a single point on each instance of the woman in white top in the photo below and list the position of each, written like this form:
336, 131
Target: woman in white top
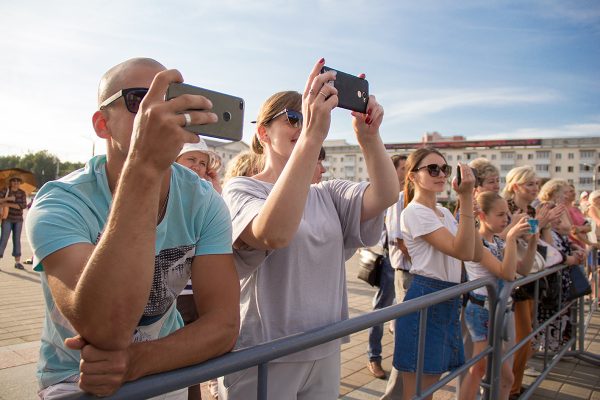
291, 239
436, 244
499, 259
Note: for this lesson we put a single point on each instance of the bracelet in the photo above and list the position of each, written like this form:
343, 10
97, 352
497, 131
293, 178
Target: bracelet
466, 216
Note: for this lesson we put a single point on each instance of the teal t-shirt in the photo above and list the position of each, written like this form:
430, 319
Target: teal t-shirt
75, 209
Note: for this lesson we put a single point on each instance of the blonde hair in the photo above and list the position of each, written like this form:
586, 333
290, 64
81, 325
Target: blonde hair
278, 102
593, 195
550, 190
483, 168
245, 163
515, 176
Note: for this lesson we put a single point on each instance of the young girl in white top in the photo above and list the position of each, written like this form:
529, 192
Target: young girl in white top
436, 244
291, 238
499, 259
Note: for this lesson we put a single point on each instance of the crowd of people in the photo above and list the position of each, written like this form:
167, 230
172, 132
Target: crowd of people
149, 263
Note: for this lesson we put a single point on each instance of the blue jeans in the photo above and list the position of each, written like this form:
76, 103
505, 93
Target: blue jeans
383, 298
7, 227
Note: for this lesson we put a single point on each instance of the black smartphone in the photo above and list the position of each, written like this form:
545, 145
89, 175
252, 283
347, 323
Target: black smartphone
229, 110
458, 175
353, 92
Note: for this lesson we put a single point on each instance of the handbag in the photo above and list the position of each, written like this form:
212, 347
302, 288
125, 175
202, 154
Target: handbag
580, 286
369, 266
553, 256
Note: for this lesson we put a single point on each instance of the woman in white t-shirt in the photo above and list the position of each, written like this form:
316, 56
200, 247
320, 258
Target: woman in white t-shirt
291, 239
499, 259
436, 244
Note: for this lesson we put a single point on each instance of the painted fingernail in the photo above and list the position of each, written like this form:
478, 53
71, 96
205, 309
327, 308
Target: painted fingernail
369, 111
368, 120
362, 76
321, 61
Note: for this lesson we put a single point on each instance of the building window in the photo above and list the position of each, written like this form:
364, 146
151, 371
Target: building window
506, 168
449, 157
503, 181
542, 168
458, 157
557, 169
530, 156
570, 181
571, 156
585, 168
586, 181
359, 169
333, 169
519, 156
360, 158
586, 154
558, 156
507, 156
542, 154
342, 159
493, 156
570, 169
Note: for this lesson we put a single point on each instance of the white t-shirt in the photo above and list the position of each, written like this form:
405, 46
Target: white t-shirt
394, 231
418, 220
302, 286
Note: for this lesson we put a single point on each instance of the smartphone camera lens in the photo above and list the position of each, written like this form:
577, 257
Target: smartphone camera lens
241, 105
226, 116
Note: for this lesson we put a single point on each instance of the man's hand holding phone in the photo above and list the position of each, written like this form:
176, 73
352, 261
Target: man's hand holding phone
158, 128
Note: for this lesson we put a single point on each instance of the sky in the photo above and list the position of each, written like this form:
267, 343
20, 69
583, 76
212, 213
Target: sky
481, 69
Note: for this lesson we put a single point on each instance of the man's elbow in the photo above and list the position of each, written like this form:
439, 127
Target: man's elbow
230, 332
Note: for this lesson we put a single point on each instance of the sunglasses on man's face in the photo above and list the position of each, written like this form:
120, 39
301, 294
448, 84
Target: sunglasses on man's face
434, 169
293, 117
133, 97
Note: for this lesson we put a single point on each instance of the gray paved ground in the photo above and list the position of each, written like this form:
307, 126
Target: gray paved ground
22, 312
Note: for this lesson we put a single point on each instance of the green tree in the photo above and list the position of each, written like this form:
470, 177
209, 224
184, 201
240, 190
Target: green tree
44, 165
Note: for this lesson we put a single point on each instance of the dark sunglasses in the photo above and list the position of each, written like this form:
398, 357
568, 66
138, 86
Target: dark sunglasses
293, 117
434, 169
133, 97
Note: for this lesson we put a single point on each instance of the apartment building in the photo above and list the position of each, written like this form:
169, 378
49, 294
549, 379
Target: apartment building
226, 150
576, 160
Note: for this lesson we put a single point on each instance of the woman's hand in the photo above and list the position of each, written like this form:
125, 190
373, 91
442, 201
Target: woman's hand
318, 99
366, 126
467, 183
213, 177
520, 228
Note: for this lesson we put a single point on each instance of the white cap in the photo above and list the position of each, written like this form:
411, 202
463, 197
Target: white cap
583, 194
200, 146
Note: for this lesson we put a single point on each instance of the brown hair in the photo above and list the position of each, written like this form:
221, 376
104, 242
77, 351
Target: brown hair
412, 162
486, 200
396, 158
278, 102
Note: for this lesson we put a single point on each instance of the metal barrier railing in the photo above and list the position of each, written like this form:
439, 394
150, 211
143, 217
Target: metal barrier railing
579, 326
260, 355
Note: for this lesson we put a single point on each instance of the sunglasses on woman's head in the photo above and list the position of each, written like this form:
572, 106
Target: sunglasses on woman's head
434, 169
133, 97
293, 117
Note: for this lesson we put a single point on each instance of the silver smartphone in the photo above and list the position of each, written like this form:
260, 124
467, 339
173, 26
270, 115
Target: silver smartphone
229, 109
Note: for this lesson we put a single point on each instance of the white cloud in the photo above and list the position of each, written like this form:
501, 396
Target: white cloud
431, 102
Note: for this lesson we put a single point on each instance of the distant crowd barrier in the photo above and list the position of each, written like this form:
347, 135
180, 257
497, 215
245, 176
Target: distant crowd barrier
260, 355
